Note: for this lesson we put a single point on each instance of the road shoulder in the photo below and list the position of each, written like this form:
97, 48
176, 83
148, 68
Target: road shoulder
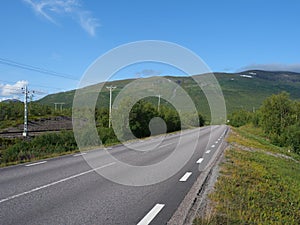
197, 196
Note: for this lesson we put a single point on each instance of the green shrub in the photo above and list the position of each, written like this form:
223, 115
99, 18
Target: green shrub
240, 118
17, 152
39, 146
107, 136
292, 137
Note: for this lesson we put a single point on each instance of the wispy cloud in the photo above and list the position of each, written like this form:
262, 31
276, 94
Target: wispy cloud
49, 9
12, 90
273, 67
87, 22
147, 73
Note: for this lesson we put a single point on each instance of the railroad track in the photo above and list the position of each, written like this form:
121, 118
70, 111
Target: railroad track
13, 134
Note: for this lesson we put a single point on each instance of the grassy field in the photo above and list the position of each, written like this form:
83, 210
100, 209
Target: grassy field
258, 184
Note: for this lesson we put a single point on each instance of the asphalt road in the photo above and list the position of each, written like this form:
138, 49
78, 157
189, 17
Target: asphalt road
67, 190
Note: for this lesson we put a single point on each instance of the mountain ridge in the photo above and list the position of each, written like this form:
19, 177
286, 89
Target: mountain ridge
246, 89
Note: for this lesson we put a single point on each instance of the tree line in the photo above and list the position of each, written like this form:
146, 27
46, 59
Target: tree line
278, 117
143, 116
140, 116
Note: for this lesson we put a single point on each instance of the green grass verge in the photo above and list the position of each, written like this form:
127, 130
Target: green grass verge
255, 187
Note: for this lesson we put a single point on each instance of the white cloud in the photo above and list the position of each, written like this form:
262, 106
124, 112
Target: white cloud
273, 67
88, 23
147, 73
72, 8
39, 8
8, 91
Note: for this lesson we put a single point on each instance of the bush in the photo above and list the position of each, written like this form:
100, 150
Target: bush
292, 137
39, 146
277, 114
279, 118
17, 152
240, 118
107, 135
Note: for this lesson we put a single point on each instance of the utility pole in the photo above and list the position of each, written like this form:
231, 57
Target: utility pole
111, 88
158, 104
25, 132
26, 93
61, 106
58, 103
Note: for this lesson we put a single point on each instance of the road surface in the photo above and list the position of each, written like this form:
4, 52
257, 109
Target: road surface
66, 190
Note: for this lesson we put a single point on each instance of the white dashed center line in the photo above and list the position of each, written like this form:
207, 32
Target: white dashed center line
151, 214
213, 146
185, 176
208, 151
199, 160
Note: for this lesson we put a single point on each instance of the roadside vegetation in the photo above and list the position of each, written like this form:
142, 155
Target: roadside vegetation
42, 146
278, 118
259, 180
12, 113
49, 144
258, 184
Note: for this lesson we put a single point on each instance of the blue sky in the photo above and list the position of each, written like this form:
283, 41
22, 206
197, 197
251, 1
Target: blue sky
67, 36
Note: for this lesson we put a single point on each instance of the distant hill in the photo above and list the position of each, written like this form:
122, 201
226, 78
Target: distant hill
10, 100
244, 90
248, 89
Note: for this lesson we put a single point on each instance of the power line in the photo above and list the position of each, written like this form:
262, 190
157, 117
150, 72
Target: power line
11, 88
19, 65
31, 84
6, 81
36, 69
18, 90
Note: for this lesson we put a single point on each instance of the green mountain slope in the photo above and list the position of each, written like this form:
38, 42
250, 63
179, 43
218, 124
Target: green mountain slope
244, 90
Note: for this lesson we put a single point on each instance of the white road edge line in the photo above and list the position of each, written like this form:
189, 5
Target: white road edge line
199, 160
208, 151
80, 154
37, 163
185, 177
53, 183
151, 214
